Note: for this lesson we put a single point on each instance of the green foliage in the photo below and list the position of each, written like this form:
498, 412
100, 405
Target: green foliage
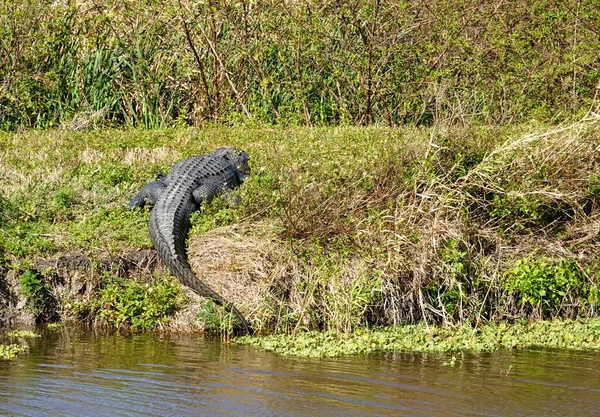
54, 326
456, 257
27, 238
217, 319
23, 333
33, 287
113, 174
565, 334
515, 214
216, 214
109, 229
8, 352
131, 304
458, 287
300, 63
64, 198
594, 186
544, 284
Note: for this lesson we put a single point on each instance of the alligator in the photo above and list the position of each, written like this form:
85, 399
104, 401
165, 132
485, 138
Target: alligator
175, 196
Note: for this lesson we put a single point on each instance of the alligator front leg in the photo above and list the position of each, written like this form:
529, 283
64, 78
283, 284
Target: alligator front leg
150, 193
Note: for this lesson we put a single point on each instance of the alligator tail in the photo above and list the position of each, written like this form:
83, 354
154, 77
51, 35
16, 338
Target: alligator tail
186, 276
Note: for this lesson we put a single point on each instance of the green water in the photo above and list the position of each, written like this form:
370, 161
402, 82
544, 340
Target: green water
85, 373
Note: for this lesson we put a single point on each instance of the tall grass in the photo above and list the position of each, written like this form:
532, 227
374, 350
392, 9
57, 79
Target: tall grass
151, 64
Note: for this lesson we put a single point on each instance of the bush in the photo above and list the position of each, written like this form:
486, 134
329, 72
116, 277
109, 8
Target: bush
127, 303
216, 318
34, 288
548, 286
310, 63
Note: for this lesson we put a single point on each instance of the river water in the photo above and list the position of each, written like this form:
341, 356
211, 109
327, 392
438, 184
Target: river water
85, 373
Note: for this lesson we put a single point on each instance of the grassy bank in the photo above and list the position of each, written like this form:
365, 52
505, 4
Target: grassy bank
338, 229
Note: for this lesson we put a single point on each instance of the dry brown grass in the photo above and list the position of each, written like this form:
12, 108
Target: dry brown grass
247, 264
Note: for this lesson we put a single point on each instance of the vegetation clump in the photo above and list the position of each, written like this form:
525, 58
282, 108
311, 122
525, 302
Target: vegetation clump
36, 291
8, 352
564, 334
82, 64
23, 334
129, 304
545, 287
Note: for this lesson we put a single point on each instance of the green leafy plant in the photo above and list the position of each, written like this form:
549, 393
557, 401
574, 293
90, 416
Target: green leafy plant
33, 287
455, 257
542, 283
217, 319
64, 197
515, 213
565, 334
594, 186
142, 306
8, 352
23, 333
449, 291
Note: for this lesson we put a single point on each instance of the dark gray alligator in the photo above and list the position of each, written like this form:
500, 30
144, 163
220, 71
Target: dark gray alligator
176, 196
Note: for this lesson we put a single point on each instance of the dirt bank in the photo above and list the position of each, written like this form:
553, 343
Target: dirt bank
70, 276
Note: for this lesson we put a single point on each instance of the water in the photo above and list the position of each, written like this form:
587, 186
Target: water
85, 373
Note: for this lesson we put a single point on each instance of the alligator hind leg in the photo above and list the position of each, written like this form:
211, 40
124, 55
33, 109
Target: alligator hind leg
208, 191
150, 193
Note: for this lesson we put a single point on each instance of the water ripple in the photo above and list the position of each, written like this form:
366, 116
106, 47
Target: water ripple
78, 373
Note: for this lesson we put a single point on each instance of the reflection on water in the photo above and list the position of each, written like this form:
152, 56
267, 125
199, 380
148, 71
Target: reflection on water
82, 373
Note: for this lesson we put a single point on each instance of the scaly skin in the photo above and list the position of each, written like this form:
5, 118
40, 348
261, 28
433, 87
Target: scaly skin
176, 196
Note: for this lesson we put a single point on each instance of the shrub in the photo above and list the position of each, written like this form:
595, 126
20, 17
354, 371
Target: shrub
143, 306
548, 285
34, 288
298, 63
216, 318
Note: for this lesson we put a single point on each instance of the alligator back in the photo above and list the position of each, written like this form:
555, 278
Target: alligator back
189, 183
